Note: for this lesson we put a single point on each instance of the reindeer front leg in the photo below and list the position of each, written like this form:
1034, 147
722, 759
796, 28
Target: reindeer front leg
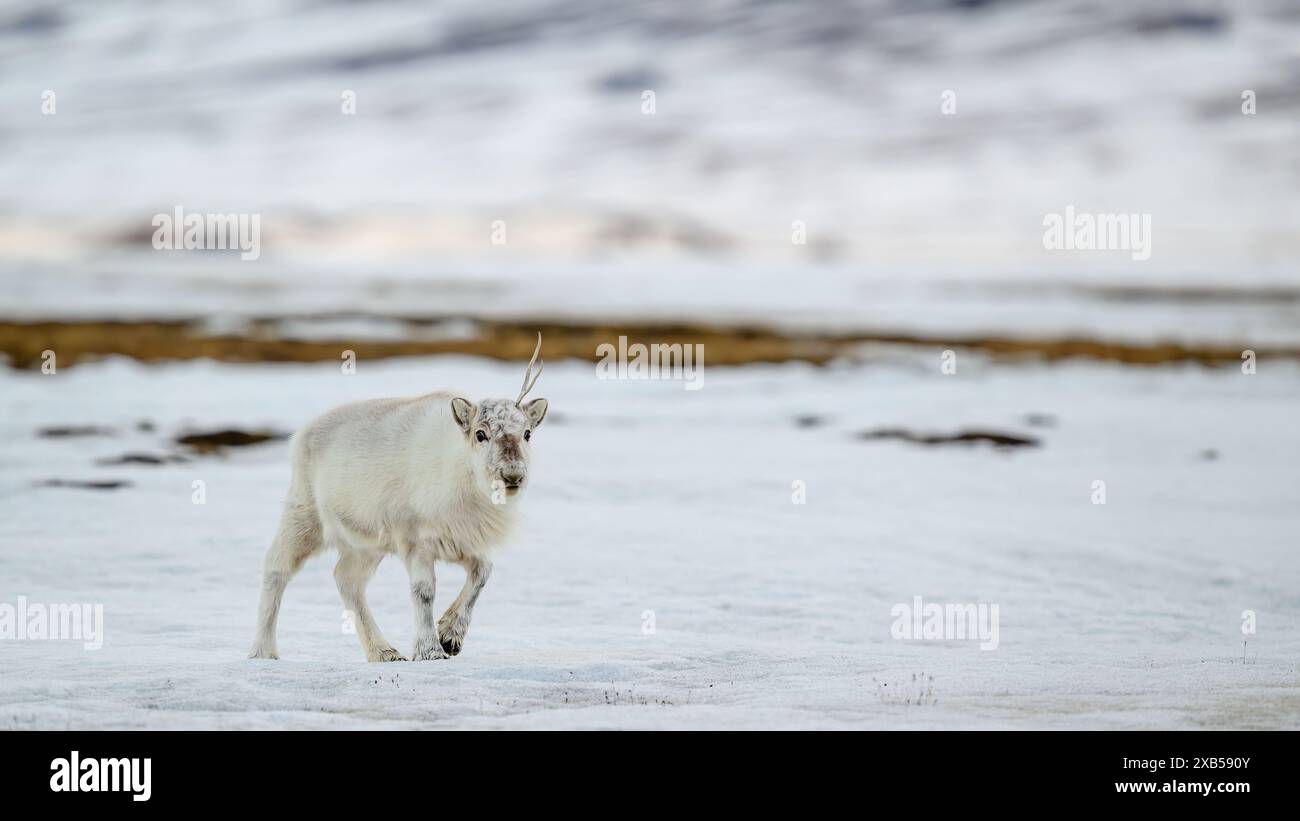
419, 566
455, 622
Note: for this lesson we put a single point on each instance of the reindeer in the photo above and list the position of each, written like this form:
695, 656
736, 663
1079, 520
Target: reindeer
430, 478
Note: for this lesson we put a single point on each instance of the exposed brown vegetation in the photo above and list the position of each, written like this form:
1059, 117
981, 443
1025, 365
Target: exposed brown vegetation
71, 431
965, 437
93, 484
143, 459
212, 441
152, 341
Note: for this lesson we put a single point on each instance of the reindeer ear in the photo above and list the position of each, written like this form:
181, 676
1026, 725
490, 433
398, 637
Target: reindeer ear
462, 410
536, 410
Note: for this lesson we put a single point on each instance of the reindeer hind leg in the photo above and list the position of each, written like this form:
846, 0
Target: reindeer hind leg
298, 538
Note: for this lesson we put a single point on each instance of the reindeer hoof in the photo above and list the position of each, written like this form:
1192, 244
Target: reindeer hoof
387, 654
433, 653
451, 640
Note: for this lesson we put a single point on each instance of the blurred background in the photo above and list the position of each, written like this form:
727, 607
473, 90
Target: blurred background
653, 162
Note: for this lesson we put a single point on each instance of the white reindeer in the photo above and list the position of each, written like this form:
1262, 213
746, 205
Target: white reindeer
428, 478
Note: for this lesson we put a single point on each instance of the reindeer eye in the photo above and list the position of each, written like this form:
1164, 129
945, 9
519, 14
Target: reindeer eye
528, 434
481, 436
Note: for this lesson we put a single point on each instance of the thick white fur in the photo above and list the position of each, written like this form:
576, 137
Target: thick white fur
405, 477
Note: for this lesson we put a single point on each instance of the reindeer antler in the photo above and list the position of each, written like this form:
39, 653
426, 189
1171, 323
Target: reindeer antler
528, 386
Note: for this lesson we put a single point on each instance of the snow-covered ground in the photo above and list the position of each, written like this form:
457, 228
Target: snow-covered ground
648, 497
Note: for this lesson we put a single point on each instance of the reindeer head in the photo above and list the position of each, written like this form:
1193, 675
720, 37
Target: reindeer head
499, 433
